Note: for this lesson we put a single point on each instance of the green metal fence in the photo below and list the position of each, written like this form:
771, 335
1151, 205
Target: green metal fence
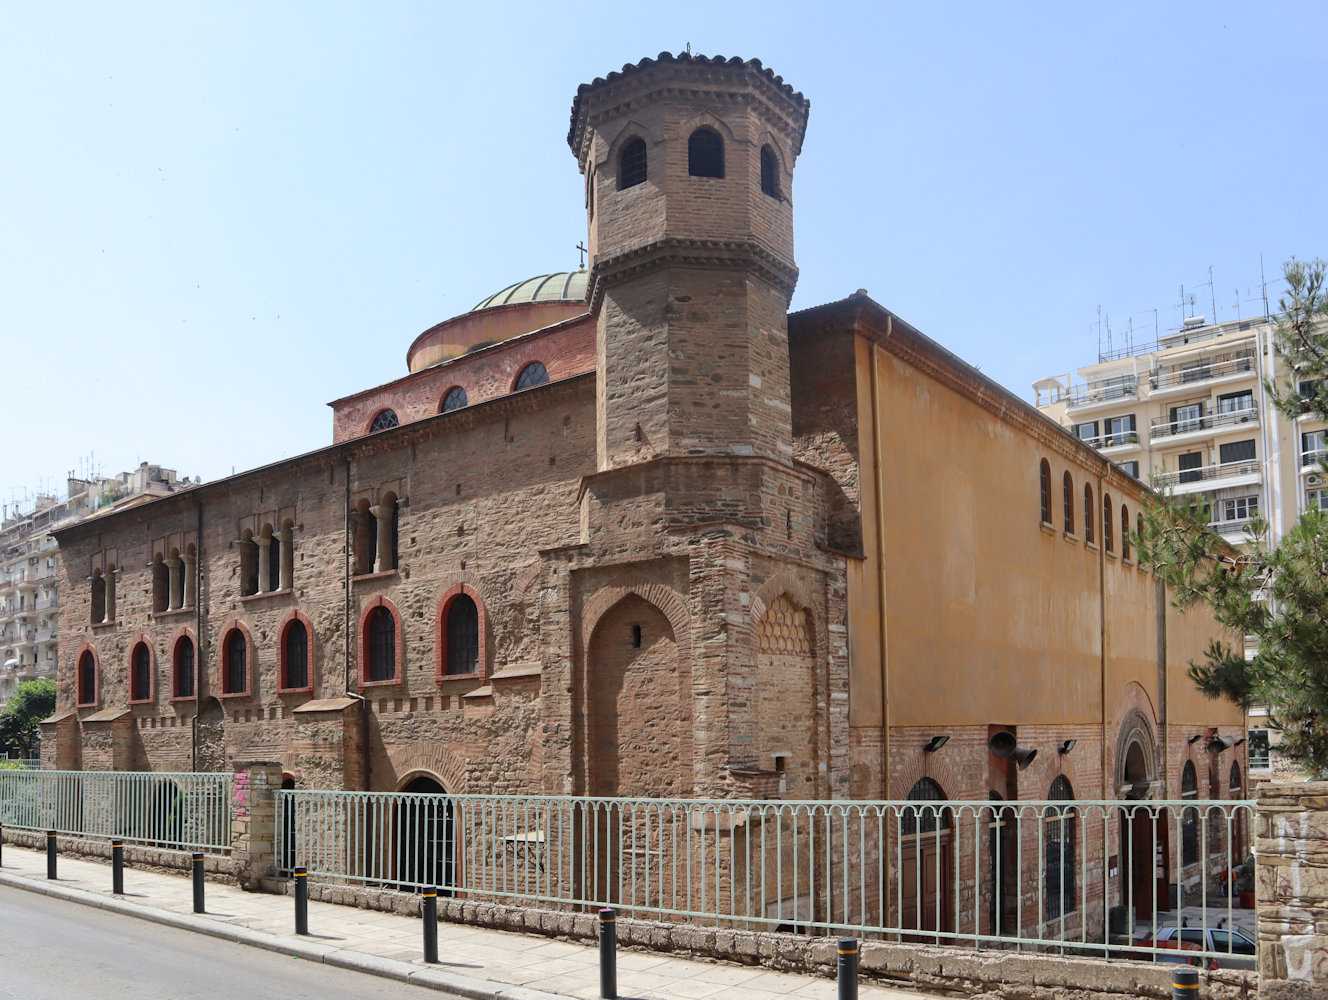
176, 810
1097, 877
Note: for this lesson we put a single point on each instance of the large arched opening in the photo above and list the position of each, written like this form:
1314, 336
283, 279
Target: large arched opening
423, 827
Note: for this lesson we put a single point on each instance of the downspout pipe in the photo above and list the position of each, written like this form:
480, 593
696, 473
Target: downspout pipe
198, 627
883, 630
366, 770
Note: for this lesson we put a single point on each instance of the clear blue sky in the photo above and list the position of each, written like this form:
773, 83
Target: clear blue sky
216, 217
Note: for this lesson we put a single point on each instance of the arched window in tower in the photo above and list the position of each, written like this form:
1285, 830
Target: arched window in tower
1067, 499
770, 179
1088, 512
454, 400
384, 420
705, 153
463, 636
140, 682
382, 645
533, 374
632, 164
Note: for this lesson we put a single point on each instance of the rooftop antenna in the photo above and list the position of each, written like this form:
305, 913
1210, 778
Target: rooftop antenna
1237, 303
1212, 295
1263, 282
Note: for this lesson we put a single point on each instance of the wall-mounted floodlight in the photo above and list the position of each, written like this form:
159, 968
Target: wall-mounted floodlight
935, 743
1066, 747
1195, 738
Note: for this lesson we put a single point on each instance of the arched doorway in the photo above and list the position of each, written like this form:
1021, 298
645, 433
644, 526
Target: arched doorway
926, 862
1144, 835
423, 835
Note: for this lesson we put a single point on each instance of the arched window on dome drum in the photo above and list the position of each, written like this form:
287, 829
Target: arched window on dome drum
770, 178
385, 420
705, 153
454, 400
532, 375
632, 165
463, 636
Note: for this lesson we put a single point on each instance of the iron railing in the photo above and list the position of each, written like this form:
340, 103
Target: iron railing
1162, 427
1208, 473
189, 812
1074, 876
1202, 370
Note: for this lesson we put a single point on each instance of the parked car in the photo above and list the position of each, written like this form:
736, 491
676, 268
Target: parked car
1229, 948
1171, 952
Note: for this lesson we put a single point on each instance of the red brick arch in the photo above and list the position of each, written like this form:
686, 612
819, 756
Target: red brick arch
184, 633
96, 676
142, 638
425, 758
921, 765
295, 616
669, 602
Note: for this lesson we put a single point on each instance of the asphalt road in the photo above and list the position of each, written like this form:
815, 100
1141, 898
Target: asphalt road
53, 950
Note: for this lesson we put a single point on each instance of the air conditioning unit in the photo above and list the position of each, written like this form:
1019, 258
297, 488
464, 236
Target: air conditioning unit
1314, 480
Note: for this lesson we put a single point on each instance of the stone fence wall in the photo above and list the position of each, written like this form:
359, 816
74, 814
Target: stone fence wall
1291, 855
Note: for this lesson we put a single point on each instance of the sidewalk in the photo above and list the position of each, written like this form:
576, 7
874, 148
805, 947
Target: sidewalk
476, 963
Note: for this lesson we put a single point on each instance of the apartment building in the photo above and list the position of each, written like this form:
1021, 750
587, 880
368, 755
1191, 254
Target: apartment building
1191, 413
30, 564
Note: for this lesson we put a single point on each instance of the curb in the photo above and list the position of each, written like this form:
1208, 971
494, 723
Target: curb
432, 978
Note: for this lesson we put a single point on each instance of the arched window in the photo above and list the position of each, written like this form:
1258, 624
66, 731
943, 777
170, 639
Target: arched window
87, 678
184, 667
295, 656
925, 819
1234, 782
1088, 512
1124, 532
1044, 478
235, 665
98, 597
384, 420
1189, 820
533, 374
1107, 523
161, 585
463, 636
1067, 499
454, 400
770, 176
705, 153
632, 164
375, 535
140, 681
382, 645
1058, 843
248, 564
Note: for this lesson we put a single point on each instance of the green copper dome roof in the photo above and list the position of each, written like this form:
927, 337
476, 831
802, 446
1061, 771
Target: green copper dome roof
566, 286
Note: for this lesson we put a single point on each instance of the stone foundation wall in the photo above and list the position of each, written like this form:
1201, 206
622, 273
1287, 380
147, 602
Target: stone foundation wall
1291, 851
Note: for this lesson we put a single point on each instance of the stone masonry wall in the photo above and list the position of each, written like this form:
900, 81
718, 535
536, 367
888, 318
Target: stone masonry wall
1291, 853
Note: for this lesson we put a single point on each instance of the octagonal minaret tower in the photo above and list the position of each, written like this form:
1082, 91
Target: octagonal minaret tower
688, 163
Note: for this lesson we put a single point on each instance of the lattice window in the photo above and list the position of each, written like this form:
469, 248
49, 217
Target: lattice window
632, 165
532, 375
454, 400
385, 420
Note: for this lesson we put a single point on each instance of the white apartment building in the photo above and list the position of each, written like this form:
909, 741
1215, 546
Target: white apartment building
1191, 413
30, 565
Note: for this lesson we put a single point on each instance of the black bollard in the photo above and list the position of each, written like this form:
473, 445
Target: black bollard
301, 900
608, 954
1185, 983
848, 969
198, 882
117, 867
50, 853
429, 911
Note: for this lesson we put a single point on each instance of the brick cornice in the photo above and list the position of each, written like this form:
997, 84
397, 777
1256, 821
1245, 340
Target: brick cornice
690, 252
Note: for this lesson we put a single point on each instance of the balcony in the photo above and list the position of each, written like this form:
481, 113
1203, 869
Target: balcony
1120, 441
1194, 373
1210, 477
47, 602
1312, 461
1236, 531
1162, 428
1109, 390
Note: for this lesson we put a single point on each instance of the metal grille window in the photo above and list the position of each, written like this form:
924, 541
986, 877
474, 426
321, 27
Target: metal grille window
184, 668
632, 165
769, 172
531, 375
705, 153
385, 420
1067, 498
454, 400
142, 681
87, 679
1189, 819
297, 655
382, 645
1044, 480
924, 819
463, 636
1058, 840
237, 672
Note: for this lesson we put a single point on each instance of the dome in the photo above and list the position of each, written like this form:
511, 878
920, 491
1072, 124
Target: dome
565, 286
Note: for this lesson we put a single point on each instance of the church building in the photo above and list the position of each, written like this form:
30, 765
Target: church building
639, 531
